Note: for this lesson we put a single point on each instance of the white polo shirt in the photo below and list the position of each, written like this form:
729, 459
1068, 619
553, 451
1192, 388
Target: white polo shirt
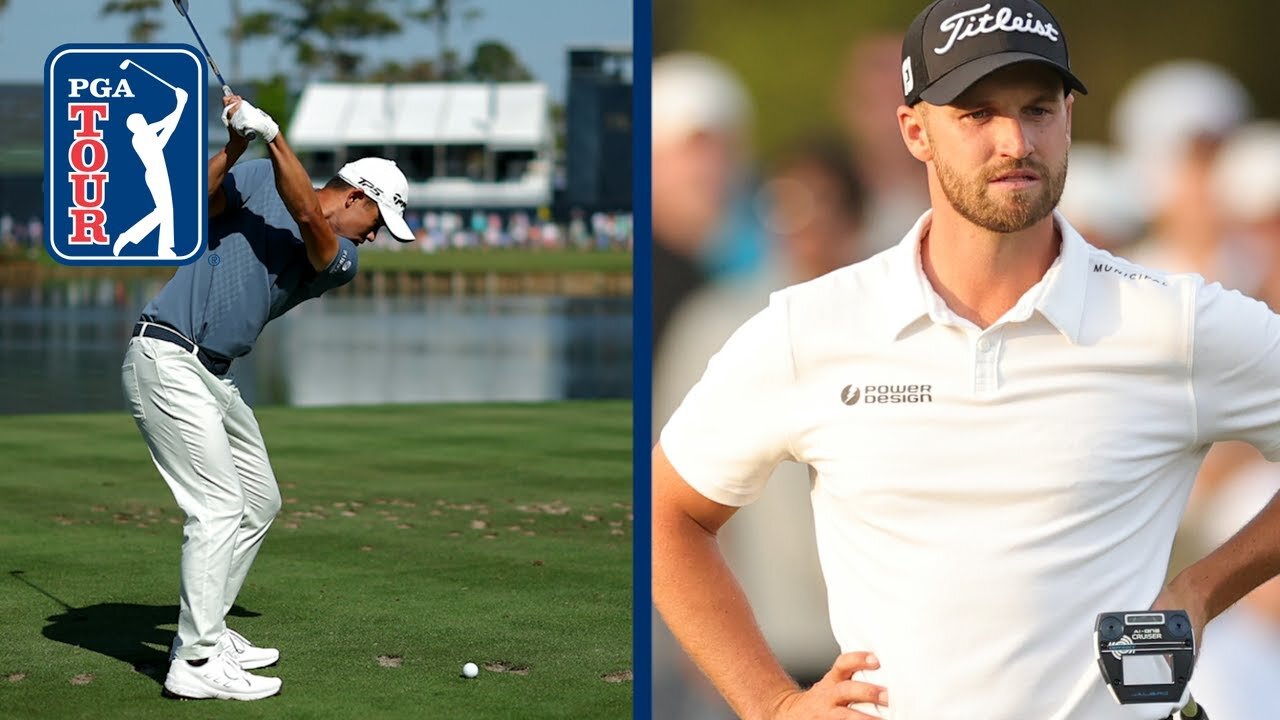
980, 496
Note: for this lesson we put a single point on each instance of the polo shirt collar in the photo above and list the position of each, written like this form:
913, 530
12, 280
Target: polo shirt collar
1058, 297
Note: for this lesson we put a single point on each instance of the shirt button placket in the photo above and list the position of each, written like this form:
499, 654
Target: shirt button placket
984, 365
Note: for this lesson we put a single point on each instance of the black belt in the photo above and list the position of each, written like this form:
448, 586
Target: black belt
213, 362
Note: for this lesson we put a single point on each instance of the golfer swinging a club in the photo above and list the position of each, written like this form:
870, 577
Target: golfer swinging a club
274, 242
149, 141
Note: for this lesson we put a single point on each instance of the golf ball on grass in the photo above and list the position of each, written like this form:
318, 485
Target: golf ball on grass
470, 670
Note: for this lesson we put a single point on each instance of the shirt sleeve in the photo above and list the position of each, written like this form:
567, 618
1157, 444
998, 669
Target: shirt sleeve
1236, 370
340, 271
732, 429
245, 179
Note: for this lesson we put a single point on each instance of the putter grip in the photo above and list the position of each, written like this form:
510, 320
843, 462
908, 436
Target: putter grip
1192, 711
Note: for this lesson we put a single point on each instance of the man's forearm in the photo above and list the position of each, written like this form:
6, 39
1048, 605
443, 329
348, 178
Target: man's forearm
293, 183
294, 186
707, 611
221, 164
1241, 564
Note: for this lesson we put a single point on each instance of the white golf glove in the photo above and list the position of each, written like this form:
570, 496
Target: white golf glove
249, 121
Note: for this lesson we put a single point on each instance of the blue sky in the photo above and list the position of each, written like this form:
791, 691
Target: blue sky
539, 31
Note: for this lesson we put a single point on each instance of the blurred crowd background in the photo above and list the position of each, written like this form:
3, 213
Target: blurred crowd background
435, 231
777, 158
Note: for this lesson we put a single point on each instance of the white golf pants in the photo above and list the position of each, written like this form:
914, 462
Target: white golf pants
206, 443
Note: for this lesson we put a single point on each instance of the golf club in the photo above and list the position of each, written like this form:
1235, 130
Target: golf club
182, 7
124, 65
18, 575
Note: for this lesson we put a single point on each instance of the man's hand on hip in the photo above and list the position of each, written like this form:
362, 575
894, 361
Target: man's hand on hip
1179, 595
831, 696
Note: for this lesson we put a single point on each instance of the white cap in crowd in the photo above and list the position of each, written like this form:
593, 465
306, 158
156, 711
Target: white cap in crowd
382, 182
1163, 110
694, 93
1246, 173
1099, 195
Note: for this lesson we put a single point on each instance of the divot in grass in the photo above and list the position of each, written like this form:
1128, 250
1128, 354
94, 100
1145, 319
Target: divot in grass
555, 507
502, 666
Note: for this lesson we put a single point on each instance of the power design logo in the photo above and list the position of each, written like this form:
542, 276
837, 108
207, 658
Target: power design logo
124, 155
886, 394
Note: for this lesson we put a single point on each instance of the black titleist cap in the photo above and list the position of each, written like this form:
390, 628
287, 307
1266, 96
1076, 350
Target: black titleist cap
954, 43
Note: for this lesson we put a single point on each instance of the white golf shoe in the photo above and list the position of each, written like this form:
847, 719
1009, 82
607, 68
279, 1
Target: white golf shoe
248, 655
221, 677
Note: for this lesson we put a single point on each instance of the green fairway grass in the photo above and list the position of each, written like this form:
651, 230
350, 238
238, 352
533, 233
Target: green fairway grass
412, 539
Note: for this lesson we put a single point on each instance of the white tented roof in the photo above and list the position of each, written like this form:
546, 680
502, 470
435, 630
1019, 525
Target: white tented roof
501, 116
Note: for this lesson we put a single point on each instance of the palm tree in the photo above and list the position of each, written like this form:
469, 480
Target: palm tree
493, 61
440, 14
321, 32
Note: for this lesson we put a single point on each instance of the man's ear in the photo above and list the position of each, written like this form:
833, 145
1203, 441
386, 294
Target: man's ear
914, 133
1069, 101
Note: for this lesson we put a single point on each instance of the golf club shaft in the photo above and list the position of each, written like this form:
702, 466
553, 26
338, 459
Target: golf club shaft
157, 77
18, 575
213, 65
226, 89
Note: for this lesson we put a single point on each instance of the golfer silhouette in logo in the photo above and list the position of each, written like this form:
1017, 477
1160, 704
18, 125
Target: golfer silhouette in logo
149, 141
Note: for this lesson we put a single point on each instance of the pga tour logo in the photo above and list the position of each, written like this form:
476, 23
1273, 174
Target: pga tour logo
124, 155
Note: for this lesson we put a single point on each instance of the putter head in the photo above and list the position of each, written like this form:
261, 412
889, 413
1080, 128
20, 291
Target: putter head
1122, 634
181, 5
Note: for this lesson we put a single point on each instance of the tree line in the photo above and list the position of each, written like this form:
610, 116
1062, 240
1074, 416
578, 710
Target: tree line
326, 36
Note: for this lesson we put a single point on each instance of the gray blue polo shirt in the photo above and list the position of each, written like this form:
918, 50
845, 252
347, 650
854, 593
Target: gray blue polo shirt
255, 268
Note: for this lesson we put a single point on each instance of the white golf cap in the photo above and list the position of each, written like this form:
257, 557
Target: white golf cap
1163, 110
695, 93
1098, 193
382, 181
1246, 173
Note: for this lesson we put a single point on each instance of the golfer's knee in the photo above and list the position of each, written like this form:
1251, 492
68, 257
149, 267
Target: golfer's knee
263, 510
216, 519
272, 507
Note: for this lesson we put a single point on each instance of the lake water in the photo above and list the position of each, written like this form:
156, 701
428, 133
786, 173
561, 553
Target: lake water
61, 347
